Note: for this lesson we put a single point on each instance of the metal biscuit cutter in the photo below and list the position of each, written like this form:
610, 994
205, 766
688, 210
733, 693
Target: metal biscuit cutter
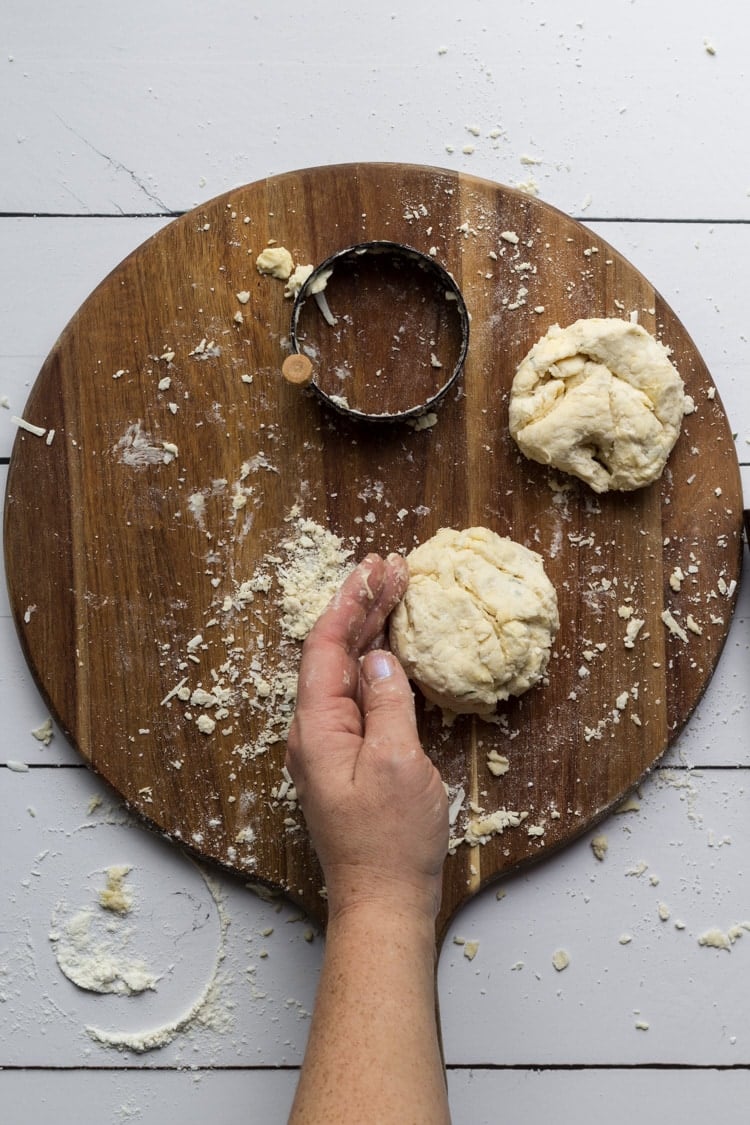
379, 332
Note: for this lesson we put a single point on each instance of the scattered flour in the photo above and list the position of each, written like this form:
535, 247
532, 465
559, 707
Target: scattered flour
208, 1010
316, 563
91, 955
218, 677
138, 449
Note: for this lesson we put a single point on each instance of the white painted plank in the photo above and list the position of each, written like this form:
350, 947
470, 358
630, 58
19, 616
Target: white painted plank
622, 104
188, 1096
510, 1006
477, 1097
188, 931
745, 474
619, 1097
24, 710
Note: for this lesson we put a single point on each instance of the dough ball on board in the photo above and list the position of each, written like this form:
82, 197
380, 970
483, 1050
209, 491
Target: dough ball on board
477, 621
600, 400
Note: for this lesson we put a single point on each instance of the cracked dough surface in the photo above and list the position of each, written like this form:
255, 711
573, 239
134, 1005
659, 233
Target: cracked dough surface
601, 400
477, 621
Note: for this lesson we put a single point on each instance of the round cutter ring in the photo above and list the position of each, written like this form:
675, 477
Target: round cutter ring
386, 331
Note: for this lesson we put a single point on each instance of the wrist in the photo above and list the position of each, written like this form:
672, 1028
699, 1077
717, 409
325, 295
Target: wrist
381, 899
383, 931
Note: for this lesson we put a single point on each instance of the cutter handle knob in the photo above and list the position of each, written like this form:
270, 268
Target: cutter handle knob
297, 369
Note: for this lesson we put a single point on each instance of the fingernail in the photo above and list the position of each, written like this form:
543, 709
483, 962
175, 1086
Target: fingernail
379, 666
366, 568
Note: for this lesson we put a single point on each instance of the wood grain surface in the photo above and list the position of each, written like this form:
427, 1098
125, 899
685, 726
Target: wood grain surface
180, 457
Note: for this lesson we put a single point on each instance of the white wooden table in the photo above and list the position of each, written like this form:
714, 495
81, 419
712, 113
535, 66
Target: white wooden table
629, 116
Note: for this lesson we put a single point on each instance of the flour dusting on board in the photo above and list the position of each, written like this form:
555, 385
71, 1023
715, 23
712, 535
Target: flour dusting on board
316, 564
137, 449
298, 576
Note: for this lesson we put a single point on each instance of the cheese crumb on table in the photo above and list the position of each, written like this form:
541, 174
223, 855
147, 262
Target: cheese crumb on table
483, 828
560, 960
297, 279
115, 896
718, 939
275, 261
471, 948
44, 733
424, 421
673, 626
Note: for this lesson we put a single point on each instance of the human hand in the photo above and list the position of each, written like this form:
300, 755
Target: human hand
374, 803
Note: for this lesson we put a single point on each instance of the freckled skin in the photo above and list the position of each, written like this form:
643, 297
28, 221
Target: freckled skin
377, 813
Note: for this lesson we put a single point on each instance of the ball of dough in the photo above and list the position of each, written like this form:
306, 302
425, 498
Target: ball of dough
477, 621
601, 400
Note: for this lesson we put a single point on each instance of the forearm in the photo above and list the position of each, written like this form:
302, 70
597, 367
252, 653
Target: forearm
373, 1054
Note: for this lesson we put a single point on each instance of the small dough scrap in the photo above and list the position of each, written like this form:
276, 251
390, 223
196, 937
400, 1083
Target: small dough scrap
601, 400
115, 896
275, 261
477, 621
560, 959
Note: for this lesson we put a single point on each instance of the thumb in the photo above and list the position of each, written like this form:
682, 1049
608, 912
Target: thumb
387, 700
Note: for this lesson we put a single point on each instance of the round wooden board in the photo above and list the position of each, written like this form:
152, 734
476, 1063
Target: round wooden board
120, 558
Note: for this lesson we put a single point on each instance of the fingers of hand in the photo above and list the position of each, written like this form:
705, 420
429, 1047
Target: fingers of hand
386, 699
391, 748
323, 742
358, 613
350, 623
